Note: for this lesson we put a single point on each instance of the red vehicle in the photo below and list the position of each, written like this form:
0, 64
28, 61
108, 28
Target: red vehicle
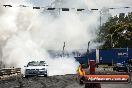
93, 80
82, 75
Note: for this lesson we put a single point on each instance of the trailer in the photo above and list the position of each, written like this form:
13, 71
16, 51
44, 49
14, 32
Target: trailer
106, 56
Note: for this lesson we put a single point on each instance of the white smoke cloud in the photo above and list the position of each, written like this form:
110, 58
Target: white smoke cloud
62, 66
107, 3
27, 34
27, 38
69, 27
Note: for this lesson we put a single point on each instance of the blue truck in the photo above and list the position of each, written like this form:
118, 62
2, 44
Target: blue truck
106, 56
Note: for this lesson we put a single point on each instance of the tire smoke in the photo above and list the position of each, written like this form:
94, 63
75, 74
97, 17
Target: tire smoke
27, 34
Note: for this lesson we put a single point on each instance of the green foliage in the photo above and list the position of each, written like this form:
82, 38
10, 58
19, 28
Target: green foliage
117, 32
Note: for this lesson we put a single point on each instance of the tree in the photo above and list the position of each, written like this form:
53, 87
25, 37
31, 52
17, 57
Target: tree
117, 32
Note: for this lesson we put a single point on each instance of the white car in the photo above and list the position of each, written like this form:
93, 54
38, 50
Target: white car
36, 68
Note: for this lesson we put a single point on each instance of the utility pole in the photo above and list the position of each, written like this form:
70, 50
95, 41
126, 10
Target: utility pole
88, 50
88, 47
64, 49
100, 18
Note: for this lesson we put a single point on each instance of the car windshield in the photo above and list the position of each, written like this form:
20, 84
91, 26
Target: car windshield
36, 63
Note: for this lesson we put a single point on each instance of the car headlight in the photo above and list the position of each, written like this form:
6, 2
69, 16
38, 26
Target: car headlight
27, 70
43, 69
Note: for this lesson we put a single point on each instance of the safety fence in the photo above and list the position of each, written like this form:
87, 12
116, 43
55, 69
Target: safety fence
6, 73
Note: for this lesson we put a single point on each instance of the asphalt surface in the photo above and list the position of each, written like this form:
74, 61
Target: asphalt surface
66, 81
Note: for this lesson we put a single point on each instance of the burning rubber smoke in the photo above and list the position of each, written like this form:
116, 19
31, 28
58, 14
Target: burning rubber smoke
27, 34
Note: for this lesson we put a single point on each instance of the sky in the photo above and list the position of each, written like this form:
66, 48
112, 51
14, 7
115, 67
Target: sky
35, 2
89, 3
119, 4
41, 2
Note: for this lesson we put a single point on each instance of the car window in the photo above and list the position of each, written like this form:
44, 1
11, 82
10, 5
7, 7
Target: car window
36, 63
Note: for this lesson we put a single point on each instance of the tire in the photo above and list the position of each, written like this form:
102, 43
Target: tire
25, 76
45, 75
117, 70
81, 80
93, 85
